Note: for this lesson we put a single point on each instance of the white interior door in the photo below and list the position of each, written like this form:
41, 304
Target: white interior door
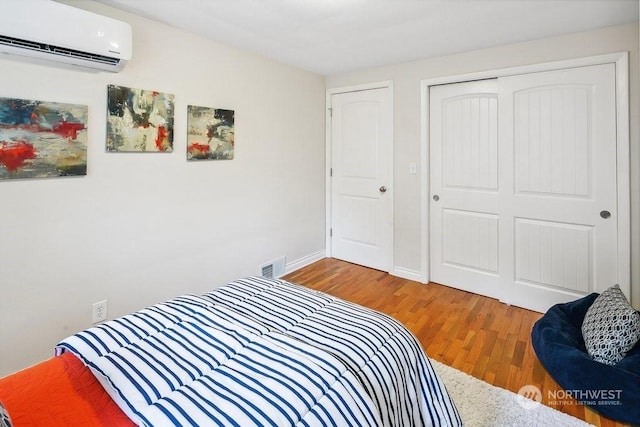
361, 178
524, 170
464, 212
558, 162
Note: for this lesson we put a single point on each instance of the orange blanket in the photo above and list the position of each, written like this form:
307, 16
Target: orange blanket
60, 391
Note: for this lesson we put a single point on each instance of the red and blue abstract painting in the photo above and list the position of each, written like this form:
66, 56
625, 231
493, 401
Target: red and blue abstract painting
41, 139
139, 120
210, 134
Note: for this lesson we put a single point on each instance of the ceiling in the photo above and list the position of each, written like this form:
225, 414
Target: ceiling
335, 36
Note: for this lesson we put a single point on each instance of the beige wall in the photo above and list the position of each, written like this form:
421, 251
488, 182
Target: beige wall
144, 227
406, 82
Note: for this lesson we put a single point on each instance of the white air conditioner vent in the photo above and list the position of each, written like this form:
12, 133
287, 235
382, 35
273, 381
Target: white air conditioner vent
57, 50
51, 31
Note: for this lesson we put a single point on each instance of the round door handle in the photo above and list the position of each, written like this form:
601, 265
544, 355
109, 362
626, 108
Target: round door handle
436, 197
605, 214
383, 189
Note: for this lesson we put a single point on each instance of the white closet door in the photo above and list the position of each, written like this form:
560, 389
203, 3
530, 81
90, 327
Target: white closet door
558, 164
464, 216
524, 186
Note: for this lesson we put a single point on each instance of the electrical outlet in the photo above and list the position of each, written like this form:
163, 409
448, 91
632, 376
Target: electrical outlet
99, 312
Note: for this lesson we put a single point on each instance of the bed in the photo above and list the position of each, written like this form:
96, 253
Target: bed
253, 352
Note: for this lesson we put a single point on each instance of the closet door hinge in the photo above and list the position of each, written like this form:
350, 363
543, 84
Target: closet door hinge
330, 112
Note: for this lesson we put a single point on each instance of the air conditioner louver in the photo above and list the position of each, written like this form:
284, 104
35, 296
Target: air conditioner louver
57, 50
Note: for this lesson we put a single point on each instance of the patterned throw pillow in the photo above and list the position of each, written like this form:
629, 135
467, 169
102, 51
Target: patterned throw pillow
4, 417
611, 327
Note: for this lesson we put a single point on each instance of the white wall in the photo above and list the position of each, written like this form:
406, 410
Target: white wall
143, 227
406, 77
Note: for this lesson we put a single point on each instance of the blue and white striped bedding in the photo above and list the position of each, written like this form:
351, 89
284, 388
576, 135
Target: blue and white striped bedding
264, 352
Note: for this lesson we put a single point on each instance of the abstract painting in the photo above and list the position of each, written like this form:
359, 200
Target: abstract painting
41, 139
139, 120
210, 133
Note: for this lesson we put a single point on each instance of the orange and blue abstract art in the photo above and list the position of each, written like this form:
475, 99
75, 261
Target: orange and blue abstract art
41, 139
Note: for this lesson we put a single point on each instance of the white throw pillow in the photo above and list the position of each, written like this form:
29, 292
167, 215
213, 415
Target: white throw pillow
611, 327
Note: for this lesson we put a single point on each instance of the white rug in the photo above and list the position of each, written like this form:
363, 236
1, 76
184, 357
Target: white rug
480, 404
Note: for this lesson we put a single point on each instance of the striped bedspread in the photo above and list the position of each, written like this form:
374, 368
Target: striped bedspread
264, 352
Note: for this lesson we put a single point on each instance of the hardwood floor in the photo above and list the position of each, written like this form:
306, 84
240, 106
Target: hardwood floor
475, 334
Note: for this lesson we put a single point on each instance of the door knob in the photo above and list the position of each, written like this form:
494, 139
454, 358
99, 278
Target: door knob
605, 214
436, 197
383, 189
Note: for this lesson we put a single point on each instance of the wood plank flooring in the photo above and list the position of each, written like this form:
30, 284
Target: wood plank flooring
475, 334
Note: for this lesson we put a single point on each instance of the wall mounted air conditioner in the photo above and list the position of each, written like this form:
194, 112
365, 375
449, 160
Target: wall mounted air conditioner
51, 31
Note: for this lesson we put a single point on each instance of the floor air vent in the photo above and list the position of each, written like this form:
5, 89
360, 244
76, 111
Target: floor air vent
273, 269
267, 271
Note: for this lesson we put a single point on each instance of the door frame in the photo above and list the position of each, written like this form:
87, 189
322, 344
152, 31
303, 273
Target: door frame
386, 84
621, 61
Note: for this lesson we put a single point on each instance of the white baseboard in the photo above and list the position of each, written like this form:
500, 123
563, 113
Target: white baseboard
292, 266
406, 273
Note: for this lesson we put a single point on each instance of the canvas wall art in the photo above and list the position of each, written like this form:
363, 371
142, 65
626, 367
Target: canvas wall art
41, 139
139, 120
210, 133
